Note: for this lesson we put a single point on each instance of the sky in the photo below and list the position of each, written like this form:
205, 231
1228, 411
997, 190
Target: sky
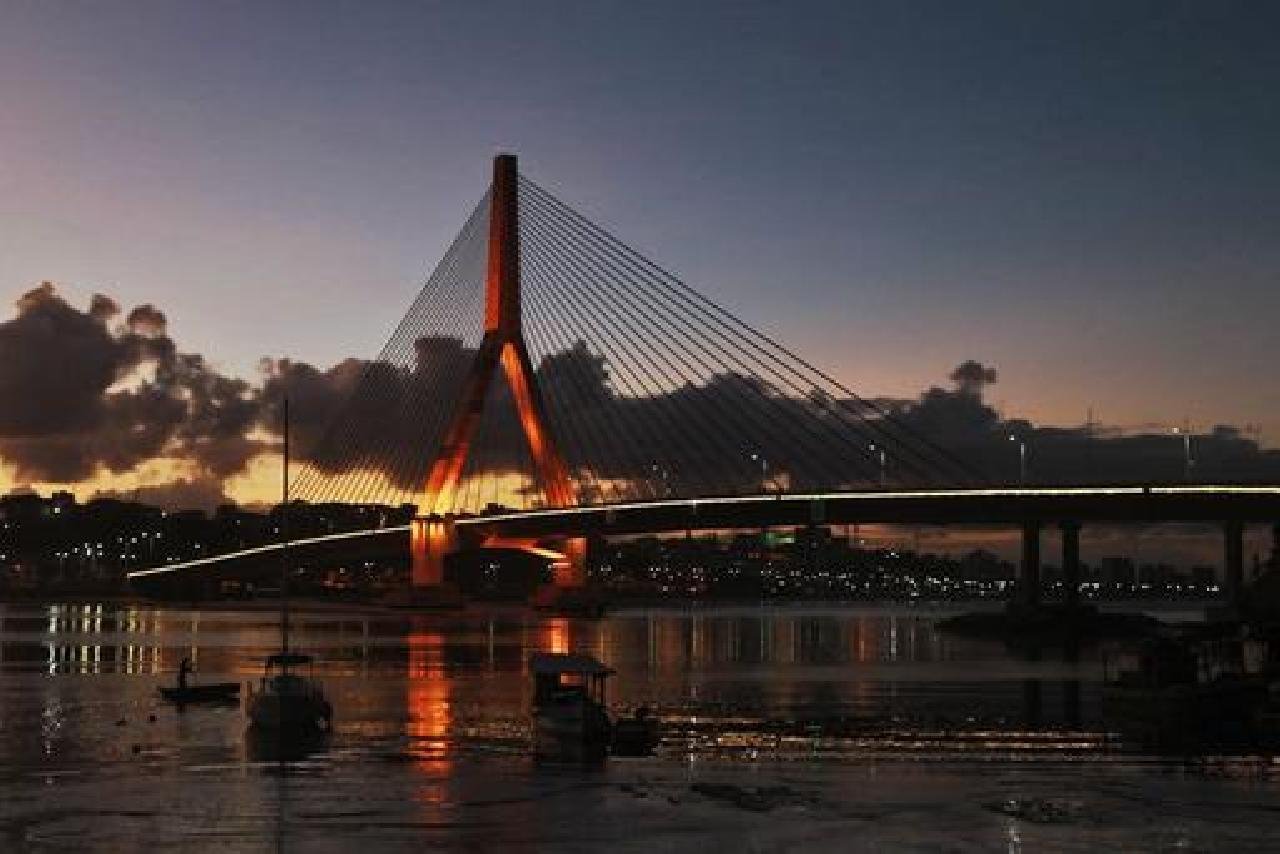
1085, 196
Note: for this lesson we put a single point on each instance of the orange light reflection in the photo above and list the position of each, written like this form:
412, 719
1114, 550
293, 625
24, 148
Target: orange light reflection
430, 713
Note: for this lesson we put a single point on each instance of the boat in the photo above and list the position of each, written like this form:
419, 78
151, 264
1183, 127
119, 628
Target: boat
183, 692
287, 703
210, 692
1186, 690
569, 718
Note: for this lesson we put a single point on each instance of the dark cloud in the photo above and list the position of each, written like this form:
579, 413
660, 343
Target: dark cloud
972, 377
392, 419
221, 413
85, 393
371, 414
55, 365
709, 437
146, 320
80, 396
101, 307
959, 420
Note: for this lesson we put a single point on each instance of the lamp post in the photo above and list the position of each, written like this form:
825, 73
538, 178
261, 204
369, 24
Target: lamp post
1022, 459
1187, 461
764, 471
661, 474
882, 458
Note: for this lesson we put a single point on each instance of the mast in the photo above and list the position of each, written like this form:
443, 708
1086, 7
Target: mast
284, 536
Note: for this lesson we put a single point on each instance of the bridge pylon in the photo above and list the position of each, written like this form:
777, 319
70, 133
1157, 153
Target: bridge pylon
501, 349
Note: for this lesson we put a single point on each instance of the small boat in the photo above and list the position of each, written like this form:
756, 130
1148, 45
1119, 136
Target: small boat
287, 701
210, 692
183, 692
569, 718
1187, 691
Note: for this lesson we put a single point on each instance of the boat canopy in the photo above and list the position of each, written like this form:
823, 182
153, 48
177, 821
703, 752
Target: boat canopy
288, 659
544, 663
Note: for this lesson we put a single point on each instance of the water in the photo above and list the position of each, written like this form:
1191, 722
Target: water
815, 729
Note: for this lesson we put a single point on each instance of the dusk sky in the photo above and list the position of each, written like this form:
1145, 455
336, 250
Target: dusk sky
1084, 195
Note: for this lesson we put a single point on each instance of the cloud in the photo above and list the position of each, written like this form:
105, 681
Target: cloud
368, 414
960, 421
79, 396
972, 377
85, 392
145, 320
710, 436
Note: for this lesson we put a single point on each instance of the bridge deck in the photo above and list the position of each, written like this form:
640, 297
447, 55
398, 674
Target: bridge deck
1049, 505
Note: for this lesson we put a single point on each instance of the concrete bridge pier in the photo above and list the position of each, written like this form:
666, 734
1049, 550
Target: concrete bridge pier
1233, 561
572, 571
568, 590
1029, 569
431, 538
1071, 562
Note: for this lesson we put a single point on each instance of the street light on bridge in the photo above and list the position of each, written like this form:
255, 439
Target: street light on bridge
1187, 461
883, 459
764, 471
1022, 459
661, 475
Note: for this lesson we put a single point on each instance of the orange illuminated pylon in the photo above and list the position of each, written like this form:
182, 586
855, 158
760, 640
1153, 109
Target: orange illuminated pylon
502, 347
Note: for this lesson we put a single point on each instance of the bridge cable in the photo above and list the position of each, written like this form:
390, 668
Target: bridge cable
907, 437
778, 411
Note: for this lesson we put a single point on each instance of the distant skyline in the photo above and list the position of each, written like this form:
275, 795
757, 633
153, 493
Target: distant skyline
1084, 195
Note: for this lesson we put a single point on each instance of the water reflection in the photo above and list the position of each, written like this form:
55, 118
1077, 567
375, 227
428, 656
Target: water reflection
555, 636
701, 640
278, 749
747, 676
430, 714
432, 721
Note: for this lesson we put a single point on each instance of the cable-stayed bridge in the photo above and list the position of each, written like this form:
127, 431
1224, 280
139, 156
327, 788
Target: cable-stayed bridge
549, 382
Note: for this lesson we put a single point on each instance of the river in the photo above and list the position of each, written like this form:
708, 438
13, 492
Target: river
786, 728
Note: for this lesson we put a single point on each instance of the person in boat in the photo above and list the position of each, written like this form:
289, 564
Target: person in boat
184, 670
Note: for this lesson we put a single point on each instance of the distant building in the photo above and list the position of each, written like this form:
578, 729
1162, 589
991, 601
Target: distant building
1118, 570
20, 507
1203, 576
